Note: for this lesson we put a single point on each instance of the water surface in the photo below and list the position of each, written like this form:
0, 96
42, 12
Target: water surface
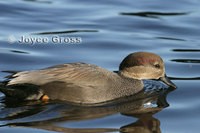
109, 30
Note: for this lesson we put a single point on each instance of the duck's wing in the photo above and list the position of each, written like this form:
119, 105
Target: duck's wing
76, 73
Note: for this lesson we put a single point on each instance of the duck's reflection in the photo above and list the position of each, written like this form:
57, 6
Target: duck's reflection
146, 124
48, 115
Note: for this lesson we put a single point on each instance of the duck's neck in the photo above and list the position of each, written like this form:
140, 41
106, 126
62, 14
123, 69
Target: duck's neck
126, 74
129, 84
130, 79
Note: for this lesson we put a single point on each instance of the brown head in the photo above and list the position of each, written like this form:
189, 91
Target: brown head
144, 65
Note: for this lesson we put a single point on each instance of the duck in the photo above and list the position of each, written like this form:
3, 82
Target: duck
86, 83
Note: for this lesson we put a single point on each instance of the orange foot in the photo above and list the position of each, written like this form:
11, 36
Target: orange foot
44, 98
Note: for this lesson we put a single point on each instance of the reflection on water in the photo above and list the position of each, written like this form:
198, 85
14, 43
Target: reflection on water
193, 78
13, 51
170, 38
186, 50
64, 32
153, 14
148, 124
186, 60
39, 1
141, 106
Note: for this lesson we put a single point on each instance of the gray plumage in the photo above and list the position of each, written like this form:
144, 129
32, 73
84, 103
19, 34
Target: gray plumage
78, 82
86, 83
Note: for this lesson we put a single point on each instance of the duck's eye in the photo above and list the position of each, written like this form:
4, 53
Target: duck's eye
157, 66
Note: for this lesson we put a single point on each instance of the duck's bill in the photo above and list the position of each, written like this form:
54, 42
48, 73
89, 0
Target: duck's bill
167, 81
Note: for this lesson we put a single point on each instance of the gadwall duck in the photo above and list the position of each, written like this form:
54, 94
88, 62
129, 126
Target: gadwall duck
86, 83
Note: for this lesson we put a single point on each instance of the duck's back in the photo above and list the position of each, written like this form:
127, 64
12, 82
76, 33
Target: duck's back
77, 73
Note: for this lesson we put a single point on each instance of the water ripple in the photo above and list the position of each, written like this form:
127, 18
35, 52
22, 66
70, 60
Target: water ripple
186, 50
13, 51
154, 14
186, 60
64, 32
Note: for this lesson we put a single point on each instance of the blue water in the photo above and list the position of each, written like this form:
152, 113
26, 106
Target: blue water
108, 31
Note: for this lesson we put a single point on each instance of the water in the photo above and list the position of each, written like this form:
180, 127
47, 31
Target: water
109, 30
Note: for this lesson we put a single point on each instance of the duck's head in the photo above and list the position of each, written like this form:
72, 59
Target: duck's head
144, 65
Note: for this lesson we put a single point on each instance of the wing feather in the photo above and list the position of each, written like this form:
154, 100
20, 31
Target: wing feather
70, 73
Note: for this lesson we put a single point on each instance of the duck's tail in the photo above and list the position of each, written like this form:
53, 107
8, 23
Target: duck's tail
21, 91
2, 87
7, 91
